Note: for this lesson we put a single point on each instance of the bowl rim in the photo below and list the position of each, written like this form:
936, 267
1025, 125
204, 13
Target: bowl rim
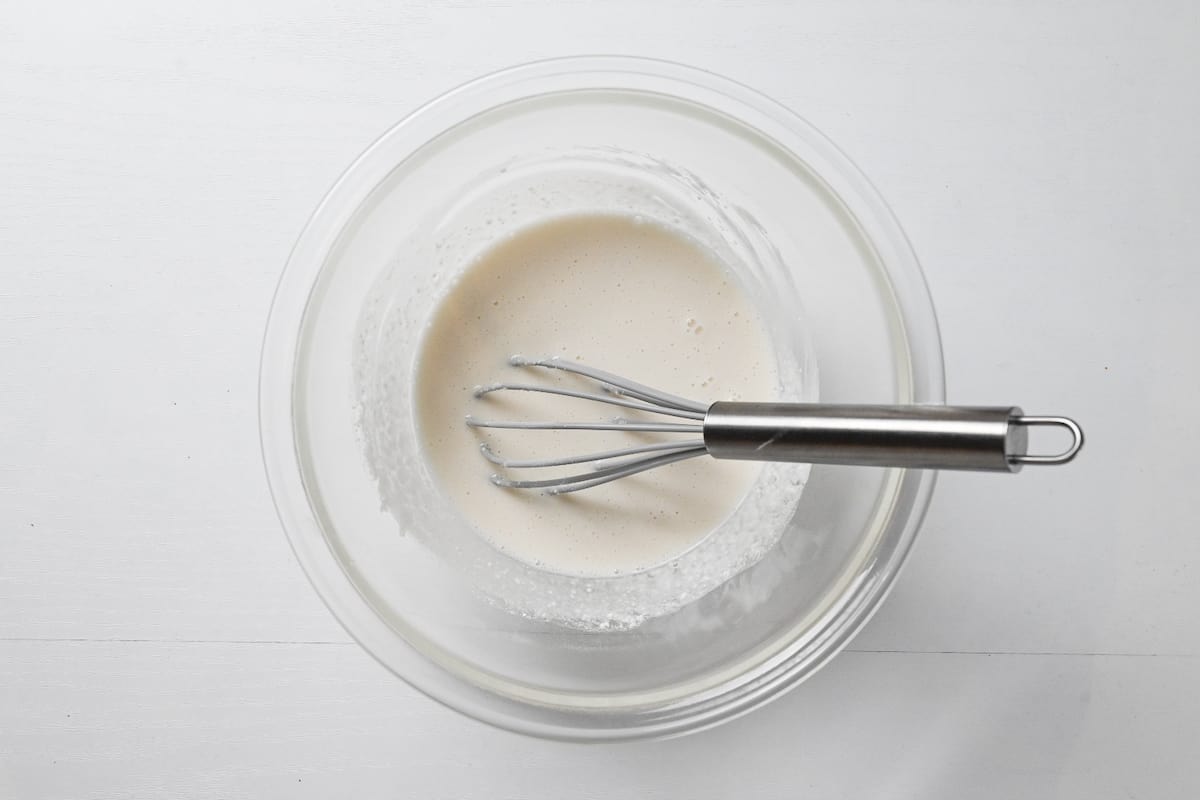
281, 460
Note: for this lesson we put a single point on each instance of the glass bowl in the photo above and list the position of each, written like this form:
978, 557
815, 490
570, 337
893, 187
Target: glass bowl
645, 136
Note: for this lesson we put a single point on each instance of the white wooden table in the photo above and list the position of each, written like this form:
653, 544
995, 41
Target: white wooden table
157, 639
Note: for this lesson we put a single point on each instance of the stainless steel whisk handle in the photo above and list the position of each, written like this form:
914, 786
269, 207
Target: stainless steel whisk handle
919, 437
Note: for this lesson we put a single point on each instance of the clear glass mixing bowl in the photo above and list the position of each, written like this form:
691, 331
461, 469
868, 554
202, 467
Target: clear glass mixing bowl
771, 188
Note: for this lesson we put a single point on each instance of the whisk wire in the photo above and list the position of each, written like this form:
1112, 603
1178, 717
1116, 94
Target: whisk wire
586, 480
620, 392
616, 382
616, 425
606, 455
610, 399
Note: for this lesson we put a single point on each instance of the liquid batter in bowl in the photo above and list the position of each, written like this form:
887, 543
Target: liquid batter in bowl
633, 296
603, 257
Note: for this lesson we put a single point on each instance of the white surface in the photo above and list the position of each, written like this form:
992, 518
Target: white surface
158, 639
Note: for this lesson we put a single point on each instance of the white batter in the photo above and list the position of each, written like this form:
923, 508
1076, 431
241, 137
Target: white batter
626, 296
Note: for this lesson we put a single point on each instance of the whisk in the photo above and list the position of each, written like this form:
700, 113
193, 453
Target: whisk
991, 439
